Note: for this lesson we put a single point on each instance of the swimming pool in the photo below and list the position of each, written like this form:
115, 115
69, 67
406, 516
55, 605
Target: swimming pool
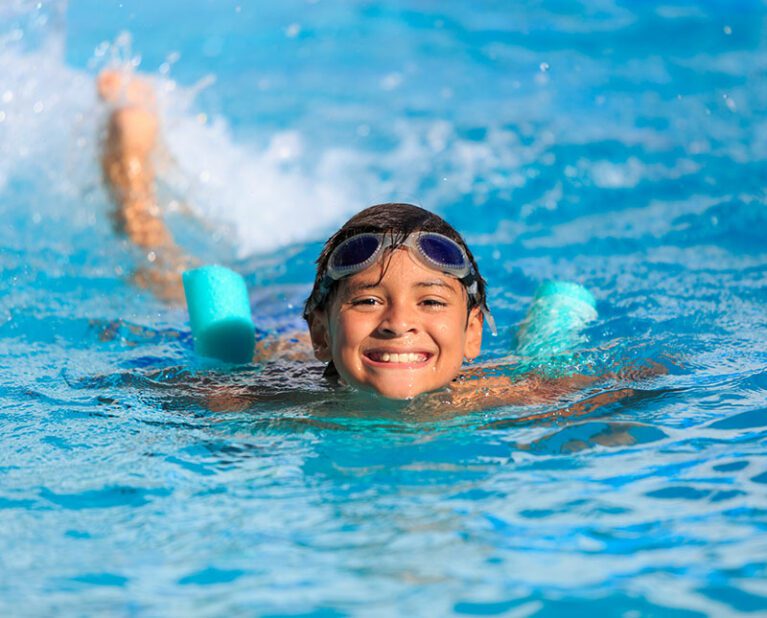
622, 145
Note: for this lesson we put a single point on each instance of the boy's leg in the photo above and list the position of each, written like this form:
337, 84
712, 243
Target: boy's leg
129, 173
128, 170
127, 158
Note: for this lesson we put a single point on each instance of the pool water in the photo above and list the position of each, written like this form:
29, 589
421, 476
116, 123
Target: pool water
622, 145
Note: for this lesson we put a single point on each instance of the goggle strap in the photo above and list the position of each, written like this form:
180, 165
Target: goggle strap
489, 320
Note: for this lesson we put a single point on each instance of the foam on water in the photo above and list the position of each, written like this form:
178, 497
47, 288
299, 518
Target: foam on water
50, 131
619, 145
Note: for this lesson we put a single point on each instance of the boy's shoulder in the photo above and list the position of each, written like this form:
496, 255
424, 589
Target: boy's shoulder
485, 387
294, 347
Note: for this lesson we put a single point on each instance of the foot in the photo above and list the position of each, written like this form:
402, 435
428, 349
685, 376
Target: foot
124, 88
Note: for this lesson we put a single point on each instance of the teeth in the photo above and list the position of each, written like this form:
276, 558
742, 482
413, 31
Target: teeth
404, 357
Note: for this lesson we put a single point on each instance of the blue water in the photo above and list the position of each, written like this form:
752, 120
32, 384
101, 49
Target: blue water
619, 144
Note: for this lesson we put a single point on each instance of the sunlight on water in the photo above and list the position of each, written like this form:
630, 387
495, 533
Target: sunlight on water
622, 146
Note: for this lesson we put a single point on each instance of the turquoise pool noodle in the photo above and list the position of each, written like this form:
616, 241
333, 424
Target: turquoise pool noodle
554, 323
219, 313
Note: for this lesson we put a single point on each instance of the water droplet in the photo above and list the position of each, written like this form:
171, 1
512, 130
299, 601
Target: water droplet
727, 30
293, 30
544, 67
151, 256
38, 107
7, 96
391, 81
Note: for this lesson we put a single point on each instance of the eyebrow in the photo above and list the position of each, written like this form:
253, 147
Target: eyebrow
360, 286
434, 283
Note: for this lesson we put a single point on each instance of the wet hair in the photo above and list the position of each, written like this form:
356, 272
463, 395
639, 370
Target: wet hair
399, 220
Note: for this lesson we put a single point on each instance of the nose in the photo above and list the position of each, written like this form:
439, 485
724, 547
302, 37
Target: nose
397, 320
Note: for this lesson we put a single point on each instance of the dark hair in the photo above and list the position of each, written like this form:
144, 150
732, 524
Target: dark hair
399, 220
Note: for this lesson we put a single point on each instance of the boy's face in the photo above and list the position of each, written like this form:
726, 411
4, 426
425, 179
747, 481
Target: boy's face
400, 334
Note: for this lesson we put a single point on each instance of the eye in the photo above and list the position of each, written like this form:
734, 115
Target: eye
433, 303
365, 301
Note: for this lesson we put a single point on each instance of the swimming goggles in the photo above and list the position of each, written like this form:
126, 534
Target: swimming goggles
433, 250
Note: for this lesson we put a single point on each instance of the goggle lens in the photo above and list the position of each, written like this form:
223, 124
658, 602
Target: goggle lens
355, 251
442, 251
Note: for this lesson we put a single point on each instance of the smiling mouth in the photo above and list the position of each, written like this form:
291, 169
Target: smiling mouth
394, 358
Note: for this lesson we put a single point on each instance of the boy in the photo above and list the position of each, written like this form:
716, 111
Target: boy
397, 305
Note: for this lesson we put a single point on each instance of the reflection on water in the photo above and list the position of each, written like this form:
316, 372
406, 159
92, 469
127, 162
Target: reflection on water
620, 146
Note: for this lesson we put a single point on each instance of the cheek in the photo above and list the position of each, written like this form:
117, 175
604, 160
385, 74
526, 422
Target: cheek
451, 331
346, 335
345, 340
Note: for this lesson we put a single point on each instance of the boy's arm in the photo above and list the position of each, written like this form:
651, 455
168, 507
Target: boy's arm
477, 391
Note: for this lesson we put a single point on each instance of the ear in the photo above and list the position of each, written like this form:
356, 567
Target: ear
473, 341
320, 335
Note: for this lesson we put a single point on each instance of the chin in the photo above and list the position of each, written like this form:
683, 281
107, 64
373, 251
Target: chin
396, 394
399, 391
400, 387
